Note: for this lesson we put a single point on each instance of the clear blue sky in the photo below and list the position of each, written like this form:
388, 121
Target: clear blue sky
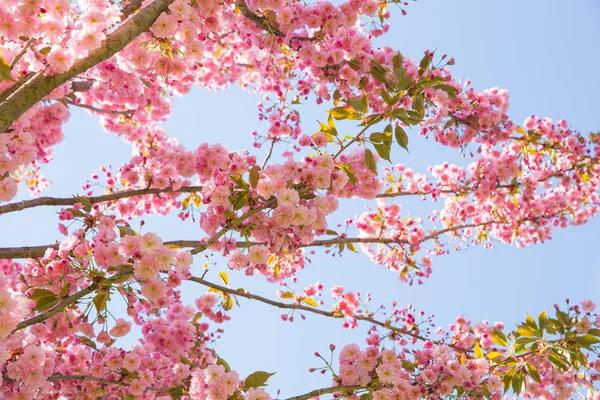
543, 52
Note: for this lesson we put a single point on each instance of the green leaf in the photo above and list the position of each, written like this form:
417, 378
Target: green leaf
386, 97
517, 382
43, 303
533, 373
121, 278
586, 341
100, 300
526, 340
39, 293
383, 149
241, 202
401, 137
451, 90
126, 231
594, 331
419, 105
340, 113
257, 379
360, 104
4, 70
557, 360
424, 63
398, 60
378, 72
407, 116
507, 379
377, 137
403, 80
563, 318
351, 177
499, 337
554, 325
222, 362
407, 365
87, 341
355, 64
542, 319
85, 202
525, 330
254, 176
529, 321
370, 161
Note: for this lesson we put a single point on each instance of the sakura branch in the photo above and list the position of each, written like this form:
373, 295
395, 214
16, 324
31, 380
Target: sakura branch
335, 389
40, 86
244, 293
69, 201
127, 113
70, 300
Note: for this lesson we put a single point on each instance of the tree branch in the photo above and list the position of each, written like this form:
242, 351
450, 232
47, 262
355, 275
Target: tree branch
67, 302
69, 201
40, 86
244, 293
198, 246
61, 377
130, 8
127, 113
18, 56
333, 389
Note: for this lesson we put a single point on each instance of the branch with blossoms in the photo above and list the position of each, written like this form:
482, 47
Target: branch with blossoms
199, 246
70, 201
40, 86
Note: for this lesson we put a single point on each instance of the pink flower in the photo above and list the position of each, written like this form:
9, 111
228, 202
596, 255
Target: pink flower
121, 328
258, 254
8, 189
588, 305
60, 60
583, 325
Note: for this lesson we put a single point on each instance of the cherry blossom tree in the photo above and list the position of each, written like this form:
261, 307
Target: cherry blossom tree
124, 61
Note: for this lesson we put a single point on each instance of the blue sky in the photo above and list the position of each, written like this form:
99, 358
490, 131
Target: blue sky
543, 52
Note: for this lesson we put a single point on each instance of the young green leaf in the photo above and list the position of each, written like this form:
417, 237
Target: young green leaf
370, 161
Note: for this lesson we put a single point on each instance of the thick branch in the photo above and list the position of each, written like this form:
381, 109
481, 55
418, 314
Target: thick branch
130, 8
40, 86
261, 22
69, 201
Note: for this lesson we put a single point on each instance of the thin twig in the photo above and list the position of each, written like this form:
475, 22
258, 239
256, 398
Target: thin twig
127, 113
269, 153
18, 56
